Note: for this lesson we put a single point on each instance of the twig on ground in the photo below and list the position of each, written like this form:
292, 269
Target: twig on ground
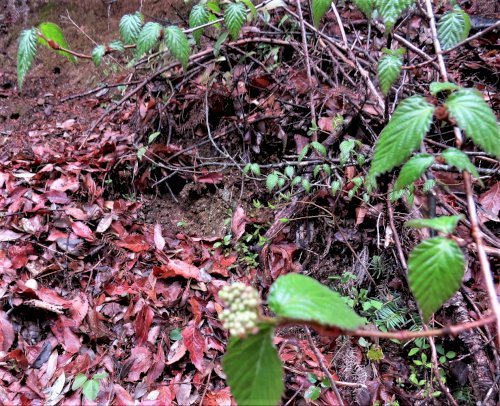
323, 367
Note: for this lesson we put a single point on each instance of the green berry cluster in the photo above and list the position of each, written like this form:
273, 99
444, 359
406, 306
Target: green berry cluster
242, 309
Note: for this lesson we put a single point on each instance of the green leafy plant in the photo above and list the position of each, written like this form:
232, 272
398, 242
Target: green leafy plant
90, 386
453, 27
436, 266
389, 68
251, 363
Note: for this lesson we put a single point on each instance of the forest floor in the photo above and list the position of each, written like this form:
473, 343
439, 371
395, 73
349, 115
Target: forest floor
115, 238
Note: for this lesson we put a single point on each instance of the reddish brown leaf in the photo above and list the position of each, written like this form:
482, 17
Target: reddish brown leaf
76, 213
157, 367
141, 359
104, 223
221, 397
176, 267
212, 178
134, 243
490, 202
143, 323
177, 351
7, 335
196, 345
9, 235
122, 397
238, 223
159, 240
83, 230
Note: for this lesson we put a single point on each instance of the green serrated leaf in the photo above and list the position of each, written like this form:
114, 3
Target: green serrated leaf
130, 27
234, 17
473, 115
319, 9
335, 186
303, 153
80, 379
97, 54
117, 46
390, 10
297, 180
26, 53
404, 133
366, 6
255, 169
177, 44
388, 69
429, 184
289, 171
445, 224
91, 389
300, 297
253, 369
316, 170
345, 150
460, 160
435, 272
437, 87
272, 181
251, 7
413, 170
148, 37
453, 27
197, 17
319, 147
306, 185
312, 392
54, 33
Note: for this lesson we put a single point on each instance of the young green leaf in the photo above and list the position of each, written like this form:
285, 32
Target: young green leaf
130, 27
197, 17
300, 297
234, 17
468, 108
177, 44
255, 168
306, 185
413, 170
80, 379
117, 46
404, 133
437, 87
460, 160
445, 224
388, 69
251, 7
91, 389
148, 37
345, 150
319, 147
54, 33
290, 171
390, 10
366, 6
453, 27
254, 370
435, 271
272, 181
97, 53
303, 153
26, 53
319, 9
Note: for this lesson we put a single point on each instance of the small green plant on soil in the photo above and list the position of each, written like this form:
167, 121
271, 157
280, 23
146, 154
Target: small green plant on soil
90, 386
435, 266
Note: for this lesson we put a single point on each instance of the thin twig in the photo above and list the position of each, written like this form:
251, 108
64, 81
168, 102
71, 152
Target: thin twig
312, 107
323, 367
